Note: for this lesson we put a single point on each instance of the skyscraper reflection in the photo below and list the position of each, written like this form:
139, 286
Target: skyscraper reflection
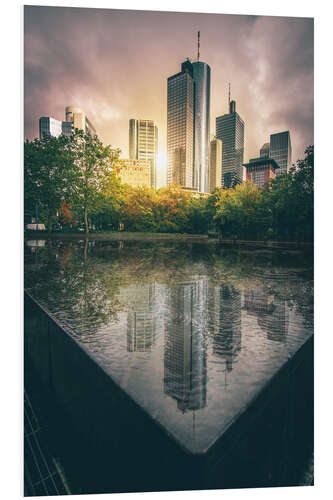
141, 317
271, 311
225, 322
185, 373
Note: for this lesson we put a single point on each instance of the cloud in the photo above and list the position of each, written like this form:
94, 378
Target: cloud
114, 64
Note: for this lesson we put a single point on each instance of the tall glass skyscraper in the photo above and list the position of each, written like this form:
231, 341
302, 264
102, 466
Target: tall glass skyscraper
181, 126
230, 129
280, 151
201, 78
189, 126
143, 144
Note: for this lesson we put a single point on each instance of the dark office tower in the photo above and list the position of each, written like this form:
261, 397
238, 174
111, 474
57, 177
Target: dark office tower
230, 129
201, 78
180, 126
264, 151
143, 144
185, 372
280, 151
225, 322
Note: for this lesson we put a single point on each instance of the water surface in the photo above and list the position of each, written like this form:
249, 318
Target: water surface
191, 331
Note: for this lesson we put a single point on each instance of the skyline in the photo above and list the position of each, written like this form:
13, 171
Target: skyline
114, 64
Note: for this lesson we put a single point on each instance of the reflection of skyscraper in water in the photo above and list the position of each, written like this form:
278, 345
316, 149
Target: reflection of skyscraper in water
225, 322
271, 311
185, 354
141, 318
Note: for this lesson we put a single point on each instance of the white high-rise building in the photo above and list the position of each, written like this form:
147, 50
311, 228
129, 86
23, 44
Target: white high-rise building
143, 144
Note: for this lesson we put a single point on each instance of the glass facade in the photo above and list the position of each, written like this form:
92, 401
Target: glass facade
280, 151
264, 151
201, 78
49, 126
215, 164
143, 144
180, 127
230, 129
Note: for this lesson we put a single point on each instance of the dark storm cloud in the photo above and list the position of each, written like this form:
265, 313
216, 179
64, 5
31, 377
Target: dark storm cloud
114, 64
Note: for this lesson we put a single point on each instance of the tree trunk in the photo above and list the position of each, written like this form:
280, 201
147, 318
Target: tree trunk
86, 220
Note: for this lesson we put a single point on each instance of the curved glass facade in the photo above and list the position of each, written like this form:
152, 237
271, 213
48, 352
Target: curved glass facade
201, 77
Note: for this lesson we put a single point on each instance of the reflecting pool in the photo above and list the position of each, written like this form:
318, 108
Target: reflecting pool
192, 331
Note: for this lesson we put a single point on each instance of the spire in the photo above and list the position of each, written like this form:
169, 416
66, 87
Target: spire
229, 95
198, 45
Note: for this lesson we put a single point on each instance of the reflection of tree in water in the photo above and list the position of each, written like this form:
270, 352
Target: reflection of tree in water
81, 289
84, 278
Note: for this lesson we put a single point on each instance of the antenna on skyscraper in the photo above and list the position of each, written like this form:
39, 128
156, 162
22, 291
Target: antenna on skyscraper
198, 45
229, 94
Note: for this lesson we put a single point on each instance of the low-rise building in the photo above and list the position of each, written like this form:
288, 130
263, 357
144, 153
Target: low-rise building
134, 172
260, 170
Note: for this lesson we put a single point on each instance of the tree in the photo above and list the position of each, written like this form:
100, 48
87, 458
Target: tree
242, 212
138, 209
47, 174
171, 209
93, 173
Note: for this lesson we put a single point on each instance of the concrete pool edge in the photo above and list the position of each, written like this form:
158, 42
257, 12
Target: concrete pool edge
249, 453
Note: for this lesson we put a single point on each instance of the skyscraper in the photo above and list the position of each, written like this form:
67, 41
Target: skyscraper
280, 150
201, 78
264, 151
143, 144
49, 126
189, 125
52, 127
79, 120
215, 164
180, 126
230, 129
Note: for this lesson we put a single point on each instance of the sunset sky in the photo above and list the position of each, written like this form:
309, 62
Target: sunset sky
114, 64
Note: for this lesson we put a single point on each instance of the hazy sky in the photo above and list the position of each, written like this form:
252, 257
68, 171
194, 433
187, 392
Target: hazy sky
114, 64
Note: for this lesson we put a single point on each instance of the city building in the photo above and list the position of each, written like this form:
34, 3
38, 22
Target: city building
264, 151
201, 78
49, 126
280, 150
143, 144
189, 125
80, 120
215, 164
260, 170
230, 129
134, 172
67, 128
185, 351
180, 126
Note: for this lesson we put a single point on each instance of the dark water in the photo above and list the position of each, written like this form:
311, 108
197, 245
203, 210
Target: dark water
191, 331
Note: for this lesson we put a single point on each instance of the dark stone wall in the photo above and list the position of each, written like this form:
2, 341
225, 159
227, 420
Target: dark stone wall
126, 450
